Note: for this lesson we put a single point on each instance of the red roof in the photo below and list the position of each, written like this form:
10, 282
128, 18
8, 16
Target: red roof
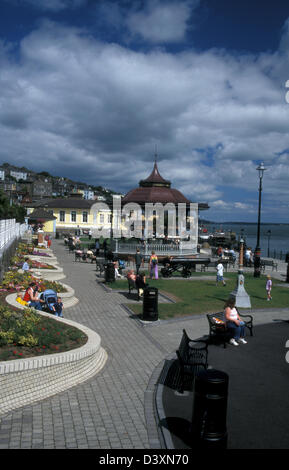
155, 194
155, 178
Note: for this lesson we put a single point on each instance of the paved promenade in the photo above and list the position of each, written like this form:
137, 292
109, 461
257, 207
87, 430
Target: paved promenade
113, 410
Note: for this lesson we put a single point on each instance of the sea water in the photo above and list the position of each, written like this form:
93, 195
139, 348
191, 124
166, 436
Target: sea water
277, 242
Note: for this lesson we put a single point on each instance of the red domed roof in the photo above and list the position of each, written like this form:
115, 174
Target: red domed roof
155, 189
155, 179
155, 194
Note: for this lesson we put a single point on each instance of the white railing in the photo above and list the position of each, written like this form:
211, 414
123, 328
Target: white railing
9, 230
158, 248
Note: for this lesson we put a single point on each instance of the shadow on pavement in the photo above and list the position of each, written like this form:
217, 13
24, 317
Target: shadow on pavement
258, 398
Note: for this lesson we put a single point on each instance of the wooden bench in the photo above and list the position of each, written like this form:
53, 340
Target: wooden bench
268, 262
213, 264
132, 286
100, 266
78, 256
205, 266
192, 356
218, 329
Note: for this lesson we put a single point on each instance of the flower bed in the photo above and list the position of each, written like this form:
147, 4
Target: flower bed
18, 261
28, 334
14, 282
40, 253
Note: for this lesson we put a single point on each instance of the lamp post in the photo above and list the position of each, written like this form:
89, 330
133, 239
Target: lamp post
241, 255
257, 257
268, 249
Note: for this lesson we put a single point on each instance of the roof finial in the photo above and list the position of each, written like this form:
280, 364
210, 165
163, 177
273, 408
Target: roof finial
156, 154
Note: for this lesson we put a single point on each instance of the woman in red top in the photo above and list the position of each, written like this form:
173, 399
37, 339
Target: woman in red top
31, 297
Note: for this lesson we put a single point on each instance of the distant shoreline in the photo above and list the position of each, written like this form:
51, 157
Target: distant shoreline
240, 223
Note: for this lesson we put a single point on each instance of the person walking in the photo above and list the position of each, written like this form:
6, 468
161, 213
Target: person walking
234, 322
220, 273
269, 287
138, 260
154, 266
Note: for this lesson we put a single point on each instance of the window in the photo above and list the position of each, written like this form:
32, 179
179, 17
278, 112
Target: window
101, 219
109, 218
62, 216
84, 216
73, 216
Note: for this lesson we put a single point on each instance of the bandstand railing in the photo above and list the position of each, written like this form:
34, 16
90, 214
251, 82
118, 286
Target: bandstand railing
158, 248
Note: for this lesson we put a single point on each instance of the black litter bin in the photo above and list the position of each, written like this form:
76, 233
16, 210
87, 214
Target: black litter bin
209, 428
110, 272
150, 304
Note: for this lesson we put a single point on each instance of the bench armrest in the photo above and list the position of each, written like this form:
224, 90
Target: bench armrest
246, 316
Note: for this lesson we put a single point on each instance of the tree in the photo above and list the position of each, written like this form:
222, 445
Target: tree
10, 211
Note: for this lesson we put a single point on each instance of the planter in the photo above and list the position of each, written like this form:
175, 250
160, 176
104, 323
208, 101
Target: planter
41, 259
26, 381
49, 274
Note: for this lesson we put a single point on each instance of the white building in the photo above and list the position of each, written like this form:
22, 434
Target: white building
19, 175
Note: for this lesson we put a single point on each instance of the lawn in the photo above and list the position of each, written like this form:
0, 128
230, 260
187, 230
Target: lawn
203, 296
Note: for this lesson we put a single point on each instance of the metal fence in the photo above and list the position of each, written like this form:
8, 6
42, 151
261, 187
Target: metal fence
9, 230
275, 254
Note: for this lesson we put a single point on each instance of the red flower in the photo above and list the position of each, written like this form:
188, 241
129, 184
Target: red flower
43, 347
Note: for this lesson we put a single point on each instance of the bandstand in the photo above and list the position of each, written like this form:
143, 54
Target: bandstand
152, 192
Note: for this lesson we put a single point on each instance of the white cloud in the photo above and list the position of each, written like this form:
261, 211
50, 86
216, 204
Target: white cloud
162, 22
93, 111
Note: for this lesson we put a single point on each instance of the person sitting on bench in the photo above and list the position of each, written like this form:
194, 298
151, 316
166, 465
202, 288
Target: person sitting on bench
140, 283
234, 322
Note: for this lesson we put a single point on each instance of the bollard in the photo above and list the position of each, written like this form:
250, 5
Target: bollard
110, 272
209, 430
150, 304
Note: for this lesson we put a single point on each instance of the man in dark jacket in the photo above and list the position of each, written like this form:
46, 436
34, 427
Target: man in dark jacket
138, 260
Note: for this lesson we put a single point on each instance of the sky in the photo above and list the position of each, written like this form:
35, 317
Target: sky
93, 89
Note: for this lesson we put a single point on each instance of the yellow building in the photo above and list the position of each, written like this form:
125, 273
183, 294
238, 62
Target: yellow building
74, 213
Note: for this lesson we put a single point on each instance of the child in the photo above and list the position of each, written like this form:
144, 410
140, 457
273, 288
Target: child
57, 308
269, 287
220, 273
